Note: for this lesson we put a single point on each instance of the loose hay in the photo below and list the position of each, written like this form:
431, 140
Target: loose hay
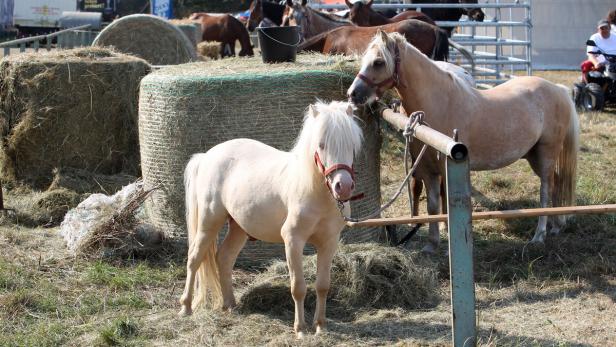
107, 226
363, 276
82, 181
189, 108
74, 108
35, 209
148, 37
209, 49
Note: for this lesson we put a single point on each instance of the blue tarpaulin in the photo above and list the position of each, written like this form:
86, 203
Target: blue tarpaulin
162, 8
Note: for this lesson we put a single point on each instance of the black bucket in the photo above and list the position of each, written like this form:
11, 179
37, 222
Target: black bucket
278, 44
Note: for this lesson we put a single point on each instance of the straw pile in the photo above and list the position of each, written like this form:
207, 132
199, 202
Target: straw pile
148, 37
74, 108
190, 28
209, 49
363, 276
187, 109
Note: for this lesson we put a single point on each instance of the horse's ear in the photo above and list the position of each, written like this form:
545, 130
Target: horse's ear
289, 3
349, 110
312, 111
304, 3
369, 3
383, 35
348, 3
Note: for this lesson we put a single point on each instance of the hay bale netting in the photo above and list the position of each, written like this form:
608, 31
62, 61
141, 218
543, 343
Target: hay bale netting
187, 109
190, 28
363, 276
74, 108
148, 37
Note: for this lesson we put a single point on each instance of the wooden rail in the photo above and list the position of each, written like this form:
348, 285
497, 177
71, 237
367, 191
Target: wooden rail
507, 214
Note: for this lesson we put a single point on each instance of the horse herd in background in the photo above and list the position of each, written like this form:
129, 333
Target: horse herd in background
332, 34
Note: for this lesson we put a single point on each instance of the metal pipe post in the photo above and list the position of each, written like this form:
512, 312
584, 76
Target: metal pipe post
461, 252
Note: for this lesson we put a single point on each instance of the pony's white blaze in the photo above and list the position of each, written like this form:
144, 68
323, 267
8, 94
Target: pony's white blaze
526, 117
273, 196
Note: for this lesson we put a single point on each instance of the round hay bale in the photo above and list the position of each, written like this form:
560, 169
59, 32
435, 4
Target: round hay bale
363, 276
209, 49
190, 28
74, 108
187, 109
148, 37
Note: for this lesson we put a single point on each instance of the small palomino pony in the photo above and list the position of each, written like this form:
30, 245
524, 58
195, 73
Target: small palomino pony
274, 196
526, 117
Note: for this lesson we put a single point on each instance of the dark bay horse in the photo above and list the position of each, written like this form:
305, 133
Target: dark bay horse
362, 14
310, 21
225, 29
429, 39
451, 14
261, 9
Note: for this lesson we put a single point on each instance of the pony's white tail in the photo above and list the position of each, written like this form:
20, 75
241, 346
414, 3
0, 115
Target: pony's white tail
207, 274
566, 164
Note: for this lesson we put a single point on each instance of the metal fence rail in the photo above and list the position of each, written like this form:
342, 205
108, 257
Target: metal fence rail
500, 45
68, 38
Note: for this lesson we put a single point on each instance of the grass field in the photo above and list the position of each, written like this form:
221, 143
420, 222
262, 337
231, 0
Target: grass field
561, 294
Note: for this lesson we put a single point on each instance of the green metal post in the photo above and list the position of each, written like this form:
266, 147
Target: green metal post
461, 252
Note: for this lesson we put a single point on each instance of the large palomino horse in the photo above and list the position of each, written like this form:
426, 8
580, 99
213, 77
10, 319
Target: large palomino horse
297, 204
526, 117
349, 40
225, 29
261, 9
362, 14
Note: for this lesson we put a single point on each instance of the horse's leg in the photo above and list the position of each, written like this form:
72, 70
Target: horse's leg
294, 248
227, 254
543, 166
207, 230
325, 255
433, 192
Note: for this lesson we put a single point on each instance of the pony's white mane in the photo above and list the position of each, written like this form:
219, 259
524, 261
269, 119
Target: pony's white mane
332, 127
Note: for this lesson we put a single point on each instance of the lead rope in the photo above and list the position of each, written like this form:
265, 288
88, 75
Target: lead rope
415, 119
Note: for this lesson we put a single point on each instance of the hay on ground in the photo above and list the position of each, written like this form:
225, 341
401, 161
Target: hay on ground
148, 37
38, 209
209, 49
363, 276
74, 108
83, 181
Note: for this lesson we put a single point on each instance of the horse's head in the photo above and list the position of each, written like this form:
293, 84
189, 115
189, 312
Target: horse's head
359, 12
335, 138
256, 15
296, 14
475, 14
379, 69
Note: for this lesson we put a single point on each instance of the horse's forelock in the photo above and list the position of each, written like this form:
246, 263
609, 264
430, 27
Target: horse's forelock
338, 130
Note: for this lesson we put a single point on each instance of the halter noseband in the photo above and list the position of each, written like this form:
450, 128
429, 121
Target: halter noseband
328, 171
390, 82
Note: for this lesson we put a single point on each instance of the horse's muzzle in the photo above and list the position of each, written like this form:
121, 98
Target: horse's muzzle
359, 93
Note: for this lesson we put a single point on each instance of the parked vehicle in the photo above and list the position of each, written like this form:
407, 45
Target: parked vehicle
32, 17
597, 87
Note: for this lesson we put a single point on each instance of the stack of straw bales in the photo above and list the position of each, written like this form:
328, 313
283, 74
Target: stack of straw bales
148, 37
74, 108
189, 108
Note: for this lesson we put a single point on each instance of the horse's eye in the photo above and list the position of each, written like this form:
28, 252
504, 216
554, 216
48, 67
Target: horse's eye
378, 63
321, 146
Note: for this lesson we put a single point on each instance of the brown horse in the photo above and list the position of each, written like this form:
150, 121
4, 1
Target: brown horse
362, 14
429, 39
225, 29
262, 9
526, 117
451, 14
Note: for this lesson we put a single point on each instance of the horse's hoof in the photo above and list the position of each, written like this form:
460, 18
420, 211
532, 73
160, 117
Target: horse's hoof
300, 335
185, 311
537, 241
320, 330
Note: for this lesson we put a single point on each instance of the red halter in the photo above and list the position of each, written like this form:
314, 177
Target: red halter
390, 82
328, 171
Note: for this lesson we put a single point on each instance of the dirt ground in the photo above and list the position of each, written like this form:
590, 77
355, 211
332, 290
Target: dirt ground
562, 294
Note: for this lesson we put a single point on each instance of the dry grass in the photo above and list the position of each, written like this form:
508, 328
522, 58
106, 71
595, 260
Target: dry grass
562, 294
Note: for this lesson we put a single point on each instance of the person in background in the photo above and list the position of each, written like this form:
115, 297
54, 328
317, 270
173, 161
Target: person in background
601, 42
611, 18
